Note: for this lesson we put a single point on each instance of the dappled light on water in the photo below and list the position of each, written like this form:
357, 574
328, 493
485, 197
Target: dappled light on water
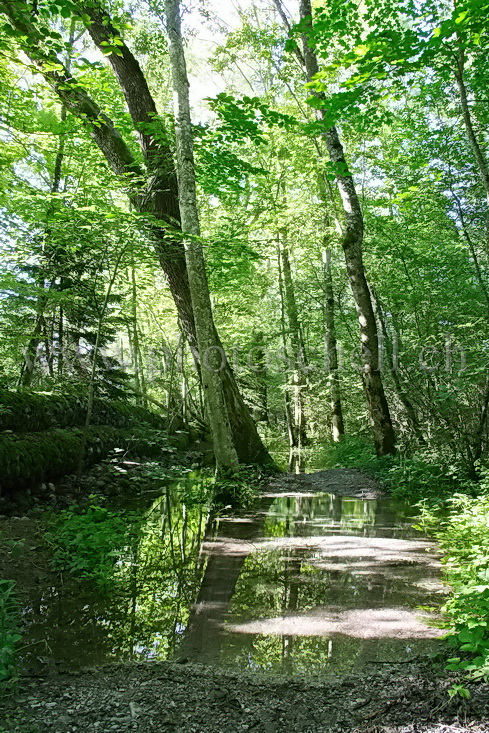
321, 583
308, 583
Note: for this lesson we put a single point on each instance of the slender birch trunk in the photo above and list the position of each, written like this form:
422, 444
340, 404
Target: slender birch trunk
293, 408
210, 350
391, 362
260, 370
352, 242
298, 351
337, 424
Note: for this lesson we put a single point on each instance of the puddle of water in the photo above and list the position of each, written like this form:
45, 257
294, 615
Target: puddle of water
315, 583
306, 583
75, 625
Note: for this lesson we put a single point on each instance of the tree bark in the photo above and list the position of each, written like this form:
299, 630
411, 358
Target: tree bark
401, 392
151, 192
469, 127
298, 352
352, 243
292, 418
209, 348
139, 378
337, 424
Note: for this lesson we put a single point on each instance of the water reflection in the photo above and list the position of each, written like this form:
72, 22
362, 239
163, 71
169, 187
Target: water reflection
145, 613
305, 583
315, 582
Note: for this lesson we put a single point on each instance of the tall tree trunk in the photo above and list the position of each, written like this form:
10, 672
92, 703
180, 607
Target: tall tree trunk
297, 344
139, 378
211, 353
352, 243
30, 354
161, 199
479, 156
401, 392
260, 370
337, 424
291, 409
152, 192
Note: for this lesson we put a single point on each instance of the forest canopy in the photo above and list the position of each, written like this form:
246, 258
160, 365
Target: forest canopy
295, 253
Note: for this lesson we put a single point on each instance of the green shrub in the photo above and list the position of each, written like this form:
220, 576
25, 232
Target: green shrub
461, 528
350, 452
425, 475
239, 490
9, 630
87, 541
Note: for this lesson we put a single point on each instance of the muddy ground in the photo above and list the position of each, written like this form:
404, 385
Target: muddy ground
159, 697
185, 698
340, 481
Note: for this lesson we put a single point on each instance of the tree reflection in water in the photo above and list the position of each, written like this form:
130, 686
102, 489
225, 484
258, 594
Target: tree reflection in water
146, 610
305, 583
313, 583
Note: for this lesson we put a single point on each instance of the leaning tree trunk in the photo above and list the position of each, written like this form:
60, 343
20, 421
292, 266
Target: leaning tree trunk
161, 200
209, 347
477, 150
152, 191
352, 243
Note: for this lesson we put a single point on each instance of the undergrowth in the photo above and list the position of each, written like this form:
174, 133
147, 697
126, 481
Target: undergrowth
461, 528
239, 490
9, 630
90, 540
426, 475
86, 541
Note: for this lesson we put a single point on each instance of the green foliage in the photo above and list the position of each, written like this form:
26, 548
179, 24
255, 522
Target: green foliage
33, 411
86, 542
9, 630
426, 475
351, 452
461, 527
240, 489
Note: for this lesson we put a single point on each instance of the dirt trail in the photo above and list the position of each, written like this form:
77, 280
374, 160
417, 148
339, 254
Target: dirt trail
158, 697
340, 481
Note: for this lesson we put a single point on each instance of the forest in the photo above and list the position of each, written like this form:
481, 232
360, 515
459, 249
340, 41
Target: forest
244, 325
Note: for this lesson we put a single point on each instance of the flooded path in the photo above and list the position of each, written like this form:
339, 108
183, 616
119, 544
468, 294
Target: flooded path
315, 583
308, 582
